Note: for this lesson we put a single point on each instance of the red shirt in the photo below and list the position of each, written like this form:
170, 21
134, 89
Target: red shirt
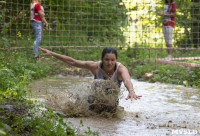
173, 9
36, 9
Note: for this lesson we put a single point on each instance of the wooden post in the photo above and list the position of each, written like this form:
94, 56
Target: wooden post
135, 51
155, 59
149, 53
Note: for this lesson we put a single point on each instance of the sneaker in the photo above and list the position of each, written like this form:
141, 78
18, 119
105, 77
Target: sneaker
169, 57
37, 57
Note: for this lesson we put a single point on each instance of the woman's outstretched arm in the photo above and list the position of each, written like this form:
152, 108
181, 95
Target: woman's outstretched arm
90, 65
127, 83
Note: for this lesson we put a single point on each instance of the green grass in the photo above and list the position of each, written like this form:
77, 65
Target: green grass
17, 70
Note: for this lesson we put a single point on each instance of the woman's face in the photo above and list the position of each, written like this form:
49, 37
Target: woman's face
109, 61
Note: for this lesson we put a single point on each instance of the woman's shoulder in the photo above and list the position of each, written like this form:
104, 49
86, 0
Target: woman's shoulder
120, 70
92, 64
120, 66
119, 63
36, 4
173, 3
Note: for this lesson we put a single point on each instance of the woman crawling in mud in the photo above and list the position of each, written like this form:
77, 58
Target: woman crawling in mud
108, 68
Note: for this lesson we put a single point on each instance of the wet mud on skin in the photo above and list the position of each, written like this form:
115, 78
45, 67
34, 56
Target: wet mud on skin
162, 110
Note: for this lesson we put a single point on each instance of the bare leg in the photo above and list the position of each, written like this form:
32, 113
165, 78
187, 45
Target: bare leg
169, 51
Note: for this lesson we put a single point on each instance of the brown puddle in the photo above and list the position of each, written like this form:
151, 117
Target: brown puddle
162, 110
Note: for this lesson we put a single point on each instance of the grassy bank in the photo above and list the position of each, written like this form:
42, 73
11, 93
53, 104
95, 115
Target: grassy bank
18, 114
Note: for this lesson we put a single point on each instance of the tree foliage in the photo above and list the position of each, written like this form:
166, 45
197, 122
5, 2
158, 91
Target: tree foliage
85, 22
82, 20
146, 25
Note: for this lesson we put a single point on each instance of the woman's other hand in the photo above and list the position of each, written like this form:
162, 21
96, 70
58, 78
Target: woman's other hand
132, 95
46, 26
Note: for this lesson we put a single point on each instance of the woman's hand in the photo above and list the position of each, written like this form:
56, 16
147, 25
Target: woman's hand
46, 26
46, 52
132, 95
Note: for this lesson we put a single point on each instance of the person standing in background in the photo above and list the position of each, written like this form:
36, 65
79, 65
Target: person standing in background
37, 18
168, 15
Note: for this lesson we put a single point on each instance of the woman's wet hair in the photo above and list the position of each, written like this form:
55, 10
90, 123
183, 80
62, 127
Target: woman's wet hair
108, 50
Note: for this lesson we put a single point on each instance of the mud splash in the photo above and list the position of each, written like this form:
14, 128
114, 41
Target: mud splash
162, 110
78, 97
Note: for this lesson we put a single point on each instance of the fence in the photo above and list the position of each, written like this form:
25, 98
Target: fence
81, 25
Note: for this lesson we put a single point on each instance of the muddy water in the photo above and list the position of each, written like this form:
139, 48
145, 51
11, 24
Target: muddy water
163, 109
